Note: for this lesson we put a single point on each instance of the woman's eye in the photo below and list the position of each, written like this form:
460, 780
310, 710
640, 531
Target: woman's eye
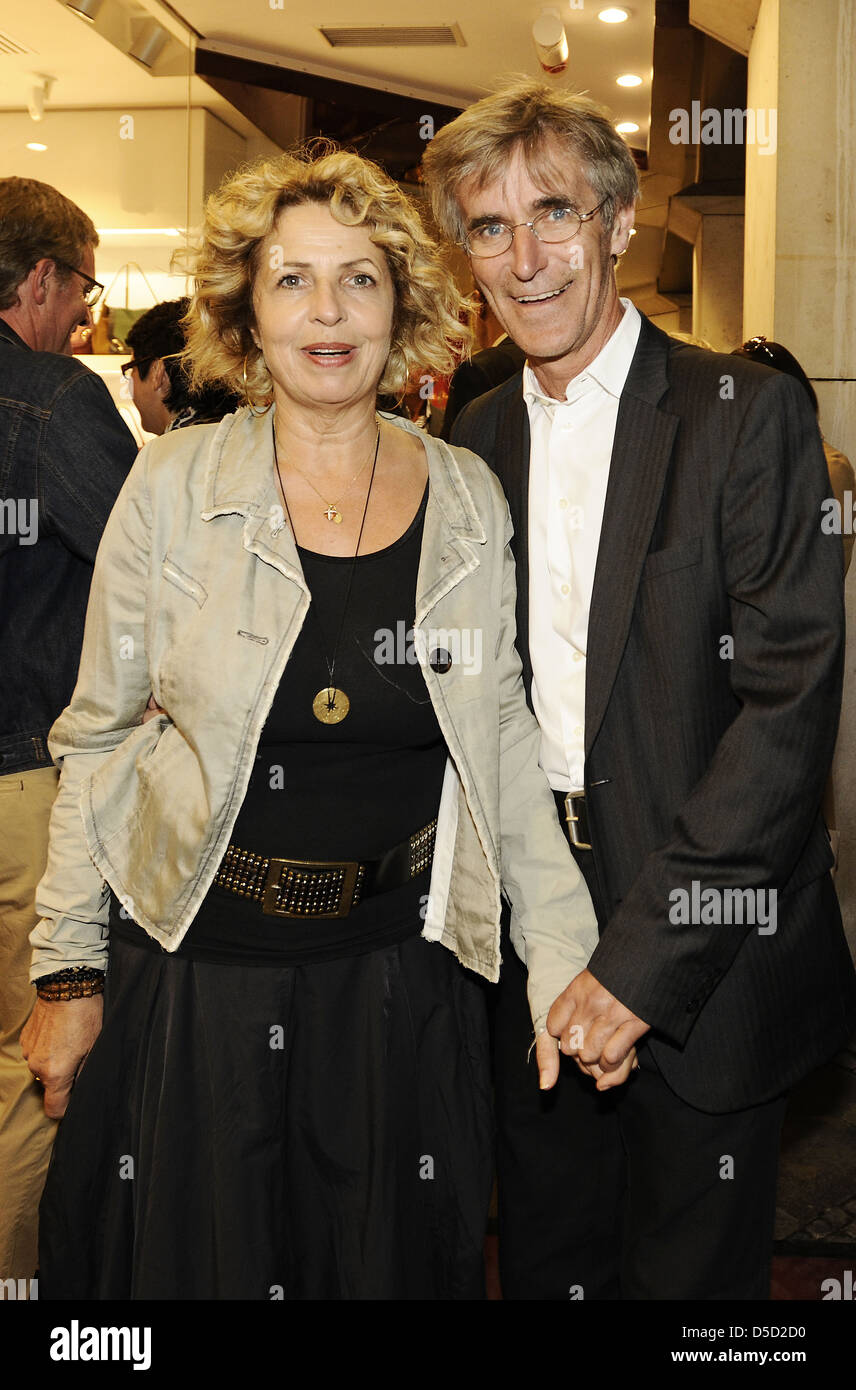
289, 280
362, 277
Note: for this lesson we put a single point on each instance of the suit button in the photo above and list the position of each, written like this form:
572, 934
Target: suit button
692, 1006
440, 660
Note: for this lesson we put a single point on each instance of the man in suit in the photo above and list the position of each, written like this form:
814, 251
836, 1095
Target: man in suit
680, 627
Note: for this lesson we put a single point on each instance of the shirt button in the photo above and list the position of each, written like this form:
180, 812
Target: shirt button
566, 588
578, 731
563, 502
578, 656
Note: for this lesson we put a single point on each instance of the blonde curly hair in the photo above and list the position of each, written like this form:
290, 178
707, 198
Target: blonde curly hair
429, 328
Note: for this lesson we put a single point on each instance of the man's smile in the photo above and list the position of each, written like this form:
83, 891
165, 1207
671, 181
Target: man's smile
540, 298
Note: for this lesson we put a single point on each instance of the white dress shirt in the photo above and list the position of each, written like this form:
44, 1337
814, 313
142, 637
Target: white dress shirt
571, 449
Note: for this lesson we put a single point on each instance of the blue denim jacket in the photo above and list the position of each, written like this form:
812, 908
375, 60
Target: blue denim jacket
64, 455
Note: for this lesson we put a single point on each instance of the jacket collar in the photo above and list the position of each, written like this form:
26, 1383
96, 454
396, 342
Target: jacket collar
240, 478
644, 437
11, 337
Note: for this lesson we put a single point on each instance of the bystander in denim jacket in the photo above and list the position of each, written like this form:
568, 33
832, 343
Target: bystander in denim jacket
64, 455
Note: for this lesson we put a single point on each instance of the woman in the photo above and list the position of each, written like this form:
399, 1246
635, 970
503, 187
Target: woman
289, 1095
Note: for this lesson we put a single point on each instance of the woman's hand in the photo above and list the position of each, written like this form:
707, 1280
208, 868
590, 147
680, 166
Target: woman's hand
56, 1041
152, 710
547, 1055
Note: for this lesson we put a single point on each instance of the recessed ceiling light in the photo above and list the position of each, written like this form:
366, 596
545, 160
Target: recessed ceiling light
626, 127
34, 145
629, 79
613, 15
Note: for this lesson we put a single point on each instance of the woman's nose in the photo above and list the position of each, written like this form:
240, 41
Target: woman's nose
326, 303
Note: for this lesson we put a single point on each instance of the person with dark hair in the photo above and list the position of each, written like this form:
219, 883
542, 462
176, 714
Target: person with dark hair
841, 475
65, 453
160, 376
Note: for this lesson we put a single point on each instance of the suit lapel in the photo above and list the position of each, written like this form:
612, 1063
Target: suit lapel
641, 451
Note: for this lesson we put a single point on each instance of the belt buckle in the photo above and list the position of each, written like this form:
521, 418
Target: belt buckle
574, 820
274, 885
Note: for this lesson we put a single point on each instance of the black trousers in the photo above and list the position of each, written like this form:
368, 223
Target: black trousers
630, 1193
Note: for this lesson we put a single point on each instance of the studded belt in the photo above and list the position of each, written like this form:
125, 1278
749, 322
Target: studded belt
318, 888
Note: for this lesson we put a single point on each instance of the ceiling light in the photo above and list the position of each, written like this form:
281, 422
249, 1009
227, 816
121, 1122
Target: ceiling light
34, 145
84, 9
39, 93
551, 41
148, 47
629, 79
613, 15
626, 127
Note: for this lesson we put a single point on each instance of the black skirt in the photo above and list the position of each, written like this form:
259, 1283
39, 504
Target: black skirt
261, 1132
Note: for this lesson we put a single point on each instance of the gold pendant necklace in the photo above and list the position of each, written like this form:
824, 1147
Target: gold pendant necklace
331, 705
331, 510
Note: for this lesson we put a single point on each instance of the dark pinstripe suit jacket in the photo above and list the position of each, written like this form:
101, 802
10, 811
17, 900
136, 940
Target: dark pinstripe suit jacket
702, 767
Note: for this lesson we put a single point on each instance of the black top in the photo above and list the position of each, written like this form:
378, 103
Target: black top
338, 791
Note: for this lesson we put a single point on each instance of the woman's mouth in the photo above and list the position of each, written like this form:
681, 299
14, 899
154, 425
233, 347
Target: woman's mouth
330, 354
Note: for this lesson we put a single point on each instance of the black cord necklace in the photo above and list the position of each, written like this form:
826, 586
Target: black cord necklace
331, 705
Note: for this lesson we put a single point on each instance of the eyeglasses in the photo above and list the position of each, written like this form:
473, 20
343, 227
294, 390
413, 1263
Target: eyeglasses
554, 224
94, 289
127, 367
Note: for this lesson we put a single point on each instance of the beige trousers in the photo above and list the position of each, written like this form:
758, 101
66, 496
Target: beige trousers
26, 1135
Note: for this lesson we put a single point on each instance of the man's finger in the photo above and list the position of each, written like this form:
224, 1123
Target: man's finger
547, 1057
616, 1048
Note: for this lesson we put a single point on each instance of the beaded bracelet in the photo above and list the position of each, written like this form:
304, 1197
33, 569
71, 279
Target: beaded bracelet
76, 982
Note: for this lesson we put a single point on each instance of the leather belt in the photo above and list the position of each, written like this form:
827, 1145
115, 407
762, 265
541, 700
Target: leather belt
319, 888
573, 814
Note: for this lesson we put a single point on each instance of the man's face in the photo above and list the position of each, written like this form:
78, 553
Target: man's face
65, 307
557, 301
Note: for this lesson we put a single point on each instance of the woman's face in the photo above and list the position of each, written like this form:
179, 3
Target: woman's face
323, 299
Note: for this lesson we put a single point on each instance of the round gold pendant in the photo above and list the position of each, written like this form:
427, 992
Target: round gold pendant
330, 705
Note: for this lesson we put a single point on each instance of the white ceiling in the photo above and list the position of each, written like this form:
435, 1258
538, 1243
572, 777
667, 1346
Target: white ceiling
497, 34
92, 75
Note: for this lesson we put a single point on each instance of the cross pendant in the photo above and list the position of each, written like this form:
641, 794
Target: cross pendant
331, 513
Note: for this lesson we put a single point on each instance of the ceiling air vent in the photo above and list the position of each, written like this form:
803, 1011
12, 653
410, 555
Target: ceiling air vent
394, 36
11, 47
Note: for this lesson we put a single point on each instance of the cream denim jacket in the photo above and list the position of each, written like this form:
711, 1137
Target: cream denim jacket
198, 597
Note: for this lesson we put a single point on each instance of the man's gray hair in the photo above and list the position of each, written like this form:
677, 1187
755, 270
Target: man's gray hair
537, 119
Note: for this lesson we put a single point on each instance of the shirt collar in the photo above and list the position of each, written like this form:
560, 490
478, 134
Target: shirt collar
609, 369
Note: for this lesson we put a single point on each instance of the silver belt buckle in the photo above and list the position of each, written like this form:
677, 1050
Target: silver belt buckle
573, 819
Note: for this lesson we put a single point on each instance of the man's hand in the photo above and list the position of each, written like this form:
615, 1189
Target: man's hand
56, 1041
592, 1026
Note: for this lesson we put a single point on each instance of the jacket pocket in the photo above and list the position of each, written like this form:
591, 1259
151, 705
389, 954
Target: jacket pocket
175, 575
674, 557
